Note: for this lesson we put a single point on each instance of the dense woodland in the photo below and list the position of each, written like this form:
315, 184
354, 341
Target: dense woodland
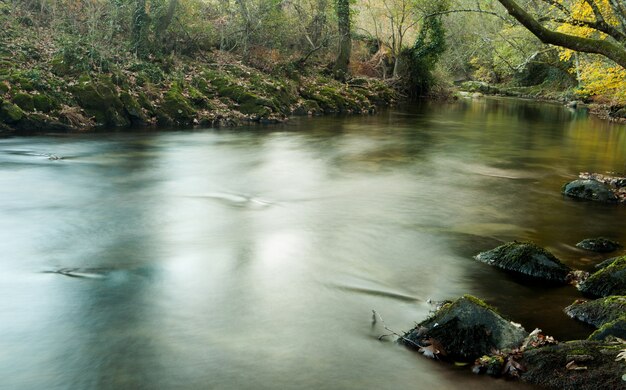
81, 63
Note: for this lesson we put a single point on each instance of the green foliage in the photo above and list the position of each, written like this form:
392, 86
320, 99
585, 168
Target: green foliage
423, 56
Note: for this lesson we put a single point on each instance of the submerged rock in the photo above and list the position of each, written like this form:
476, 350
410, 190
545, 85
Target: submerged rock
590, 190
527, 259
580, 365
599, 311
610, 280
600, 244
615, 328
465, 330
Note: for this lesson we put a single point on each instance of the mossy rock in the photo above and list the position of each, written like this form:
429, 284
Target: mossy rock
600, 244
589, 190
203, 87
60, 68
176, 107
467, 329
24, 101
610, 280
616, 328
44, 103
307, 107
100, 100
133, 109
606, 263
528, 259
10, 113
599, 311
37, 123
4, 87
547, 366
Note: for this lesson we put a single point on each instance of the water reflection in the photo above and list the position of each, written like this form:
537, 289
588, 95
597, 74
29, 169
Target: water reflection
252, 258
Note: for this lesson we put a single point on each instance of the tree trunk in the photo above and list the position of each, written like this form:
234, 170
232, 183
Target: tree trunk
166, 19
345, 42
140, 22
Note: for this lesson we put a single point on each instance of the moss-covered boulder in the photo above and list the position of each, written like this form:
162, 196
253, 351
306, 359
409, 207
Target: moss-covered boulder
610, 280
37, 123
589, 190
528, 259
600, 244
44, 103
616, 328
133, 109
100, 100
10, 113
24, 101
599, 311
176, 107
466, 329
579, 365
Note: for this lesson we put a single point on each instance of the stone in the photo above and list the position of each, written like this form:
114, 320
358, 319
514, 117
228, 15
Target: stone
600, 244
10, 113
589, 190
527, 259
599, 311
610, 280
610, 330
466, 329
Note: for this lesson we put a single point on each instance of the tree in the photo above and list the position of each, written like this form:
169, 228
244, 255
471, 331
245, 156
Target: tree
342, 8
603, 29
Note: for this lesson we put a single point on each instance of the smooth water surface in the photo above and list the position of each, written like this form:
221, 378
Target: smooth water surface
252, 258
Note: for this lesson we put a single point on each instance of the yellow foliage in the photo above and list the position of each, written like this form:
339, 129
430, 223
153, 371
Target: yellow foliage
601, 79
596, 76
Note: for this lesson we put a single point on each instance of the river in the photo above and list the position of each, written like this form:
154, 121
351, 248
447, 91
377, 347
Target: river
252, 258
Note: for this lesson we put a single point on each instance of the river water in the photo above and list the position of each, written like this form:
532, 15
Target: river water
252, 258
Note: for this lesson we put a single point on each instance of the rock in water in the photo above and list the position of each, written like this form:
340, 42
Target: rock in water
610, 280
600, 244
465, 330
527, 259
589, 190
599, 311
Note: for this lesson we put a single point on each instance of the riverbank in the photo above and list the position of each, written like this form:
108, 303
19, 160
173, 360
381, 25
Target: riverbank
53, 84
610, 112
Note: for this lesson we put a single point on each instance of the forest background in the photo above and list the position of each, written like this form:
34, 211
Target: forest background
77, 64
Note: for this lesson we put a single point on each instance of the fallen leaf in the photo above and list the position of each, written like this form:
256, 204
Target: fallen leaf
574, 367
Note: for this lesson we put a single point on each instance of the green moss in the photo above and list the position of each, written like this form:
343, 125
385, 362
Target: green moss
4, 87
177, 107
24, 101
527, 259
479, 302
10, 113
44, 103
133, 109
99, 99
616, 328
599, 311
610, 280
203, 87
145, 102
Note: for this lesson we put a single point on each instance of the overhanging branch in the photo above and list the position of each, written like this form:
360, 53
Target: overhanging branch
606, 48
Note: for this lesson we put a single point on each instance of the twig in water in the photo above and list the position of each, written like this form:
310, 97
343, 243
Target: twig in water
391, 331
